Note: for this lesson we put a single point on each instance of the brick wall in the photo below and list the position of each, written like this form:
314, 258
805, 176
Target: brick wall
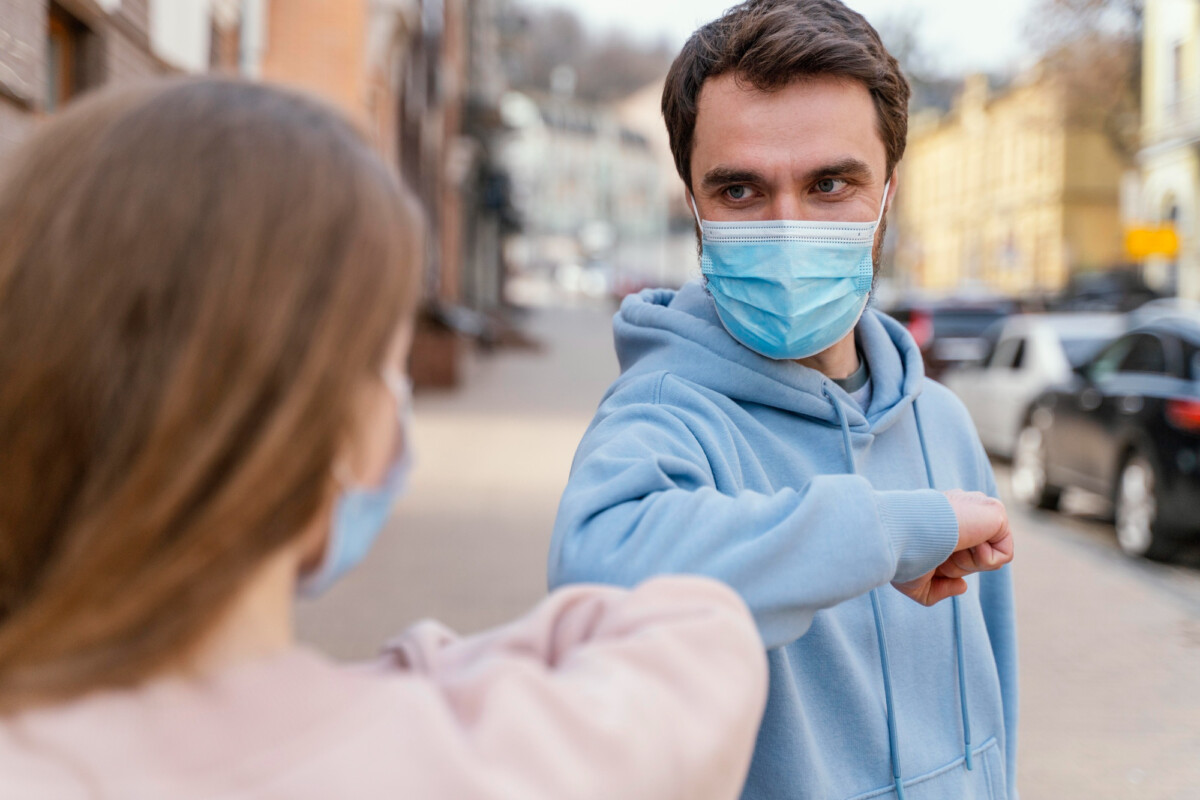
118, 52
22, 66
137, 12
127, 60
14, 126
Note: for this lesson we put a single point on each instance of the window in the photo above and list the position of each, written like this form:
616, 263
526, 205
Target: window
1146, 356
1019, 359
1010, 354
1191, 362
1175, 77
1106, 363
64, 58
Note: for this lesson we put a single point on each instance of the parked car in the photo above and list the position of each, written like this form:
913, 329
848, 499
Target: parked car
950, 332
1031, 353
1126, 427
1164, 307
1115, 289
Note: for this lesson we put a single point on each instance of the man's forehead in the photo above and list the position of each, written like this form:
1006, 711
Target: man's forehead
819, 119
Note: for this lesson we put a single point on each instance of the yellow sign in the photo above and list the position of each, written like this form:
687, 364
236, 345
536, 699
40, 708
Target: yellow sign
1144, 242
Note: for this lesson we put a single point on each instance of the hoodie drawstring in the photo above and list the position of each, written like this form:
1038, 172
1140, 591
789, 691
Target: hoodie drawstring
958, 632
893, 737
876, 607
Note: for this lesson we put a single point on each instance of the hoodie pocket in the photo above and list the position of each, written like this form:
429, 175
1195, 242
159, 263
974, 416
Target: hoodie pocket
954, 781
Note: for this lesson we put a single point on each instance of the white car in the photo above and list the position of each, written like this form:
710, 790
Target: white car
1032, 352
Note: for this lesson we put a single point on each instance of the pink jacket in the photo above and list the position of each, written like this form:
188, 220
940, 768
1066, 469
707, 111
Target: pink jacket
597, 693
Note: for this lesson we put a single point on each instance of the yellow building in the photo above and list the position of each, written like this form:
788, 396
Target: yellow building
1005, 191
1170, 160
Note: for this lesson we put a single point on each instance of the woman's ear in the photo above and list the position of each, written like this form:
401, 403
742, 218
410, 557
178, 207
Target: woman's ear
311, 544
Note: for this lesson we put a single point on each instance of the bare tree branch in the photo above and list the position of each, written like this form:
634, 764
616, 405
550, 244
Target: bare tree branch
1093, 48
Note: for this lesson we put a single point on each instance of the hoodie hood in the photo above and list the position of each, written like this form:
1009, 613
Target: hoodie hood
680, 332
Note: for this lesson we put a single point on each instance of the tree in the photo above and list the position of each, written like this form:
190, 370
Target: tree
1094, 49
901, 32
607, 67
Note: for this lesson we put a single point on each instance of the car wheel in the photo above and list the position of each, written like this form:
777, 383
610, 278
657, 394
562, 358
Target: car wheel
1029, 477
1136, 501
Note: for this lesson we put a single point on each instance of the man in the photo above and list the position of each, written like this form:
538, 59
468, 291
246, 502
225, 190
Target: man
768, 431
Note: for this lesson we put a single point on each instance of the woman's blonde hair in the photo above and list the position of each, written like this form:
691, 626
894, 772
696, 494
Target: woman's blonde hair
196, 277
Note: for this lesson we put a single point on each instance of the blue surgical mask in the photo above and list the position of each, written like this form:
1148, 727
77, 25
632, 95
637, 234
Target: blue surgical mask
361, 512
789, 289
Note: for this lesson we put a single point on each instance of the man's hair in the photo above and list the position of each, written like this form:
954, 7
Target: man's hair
772, 43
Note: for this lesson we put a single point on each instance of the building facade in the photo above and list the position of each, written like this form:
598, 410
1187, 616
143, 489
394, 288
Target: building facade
1006, 191
420, 77
1170, 155
52, 52
590, 189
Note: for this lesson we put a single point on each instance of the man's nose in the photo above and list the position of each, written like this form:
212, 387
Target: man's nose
787, 205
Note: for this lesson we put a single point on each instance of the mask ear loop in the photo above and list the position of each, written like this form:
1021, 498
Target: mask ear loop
400, 388
883, 203
700, 225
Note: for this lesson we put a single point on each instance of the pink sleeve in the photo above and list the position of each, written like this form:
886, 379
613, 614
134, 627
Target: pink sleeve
603, 692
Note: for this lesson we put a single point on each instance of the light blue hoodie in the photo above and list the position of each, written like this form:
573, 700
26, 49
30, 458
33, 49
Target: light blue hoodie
706, 457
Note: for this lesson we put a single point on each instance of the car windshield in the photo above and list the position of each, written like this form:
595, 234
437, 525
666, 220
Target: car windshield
1080, 351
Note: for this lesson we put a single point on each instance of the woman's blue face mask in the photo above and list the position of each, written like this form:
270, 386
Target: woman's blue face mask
361, 512
789, 289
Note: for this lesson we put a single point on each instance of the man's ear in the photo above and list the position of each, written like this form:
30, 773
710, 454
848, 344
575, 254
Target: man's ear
893, 182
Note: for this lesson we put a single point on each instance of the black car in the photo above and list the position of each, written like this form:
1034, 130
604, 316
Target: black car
1127, 427
1117, 289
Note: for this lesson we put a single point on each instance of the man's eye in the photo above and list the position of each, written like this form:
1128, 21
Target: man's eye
737, 192
829, 185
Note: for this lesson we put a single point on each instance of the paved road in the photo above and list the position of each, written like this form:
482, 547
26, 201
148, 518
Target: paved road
1110, 648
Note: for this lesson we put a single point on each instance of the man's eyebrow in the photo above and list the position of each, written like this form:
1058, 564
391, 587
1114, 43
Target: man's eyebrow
848, 167
725, 176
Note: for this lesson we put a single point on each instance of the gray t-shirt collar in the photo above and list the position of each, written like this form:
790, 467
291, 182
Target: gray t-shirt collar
858, 379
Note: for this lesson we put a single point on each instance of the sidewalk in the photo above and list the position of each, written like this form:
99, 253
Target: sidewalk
1110, 669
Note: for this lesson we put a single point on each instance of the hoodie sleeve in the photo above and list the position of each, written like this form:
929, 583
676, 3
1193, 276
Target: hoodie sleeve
601, 692
642, 500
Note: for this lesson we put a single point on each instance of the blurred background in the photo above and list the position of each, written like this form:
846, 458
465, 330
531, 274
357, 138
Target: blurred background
1044, 250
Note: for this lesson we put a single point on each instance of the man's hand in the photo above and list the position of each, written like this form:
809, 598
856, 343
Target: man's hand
984, 543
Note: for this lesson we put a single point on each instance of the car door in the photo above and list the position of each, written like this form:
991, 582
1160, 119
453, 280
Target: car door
1143, 370
1070, 437
1001, 391
970, 383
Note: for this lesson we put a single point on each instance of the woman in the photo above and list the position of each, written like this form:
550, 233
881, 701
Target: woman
206, 291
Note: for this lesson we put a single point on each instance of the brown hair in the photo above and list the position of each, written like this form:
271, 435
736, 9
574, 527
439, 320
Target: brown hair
196, 278
770, 44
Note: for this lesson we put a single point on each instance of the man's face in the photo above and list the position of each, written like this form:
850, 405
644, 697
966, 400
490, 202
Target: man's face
809, 151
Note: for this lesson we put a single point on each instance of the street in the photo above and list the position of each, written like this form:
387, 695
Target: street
1110, 647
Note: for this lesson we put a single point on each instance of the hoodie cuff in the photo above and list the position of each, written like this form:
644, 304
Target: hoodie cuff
922, 528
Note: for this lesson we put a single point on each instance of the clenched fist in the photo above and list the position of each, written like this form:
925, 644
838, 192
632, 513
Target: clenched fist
984, 543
